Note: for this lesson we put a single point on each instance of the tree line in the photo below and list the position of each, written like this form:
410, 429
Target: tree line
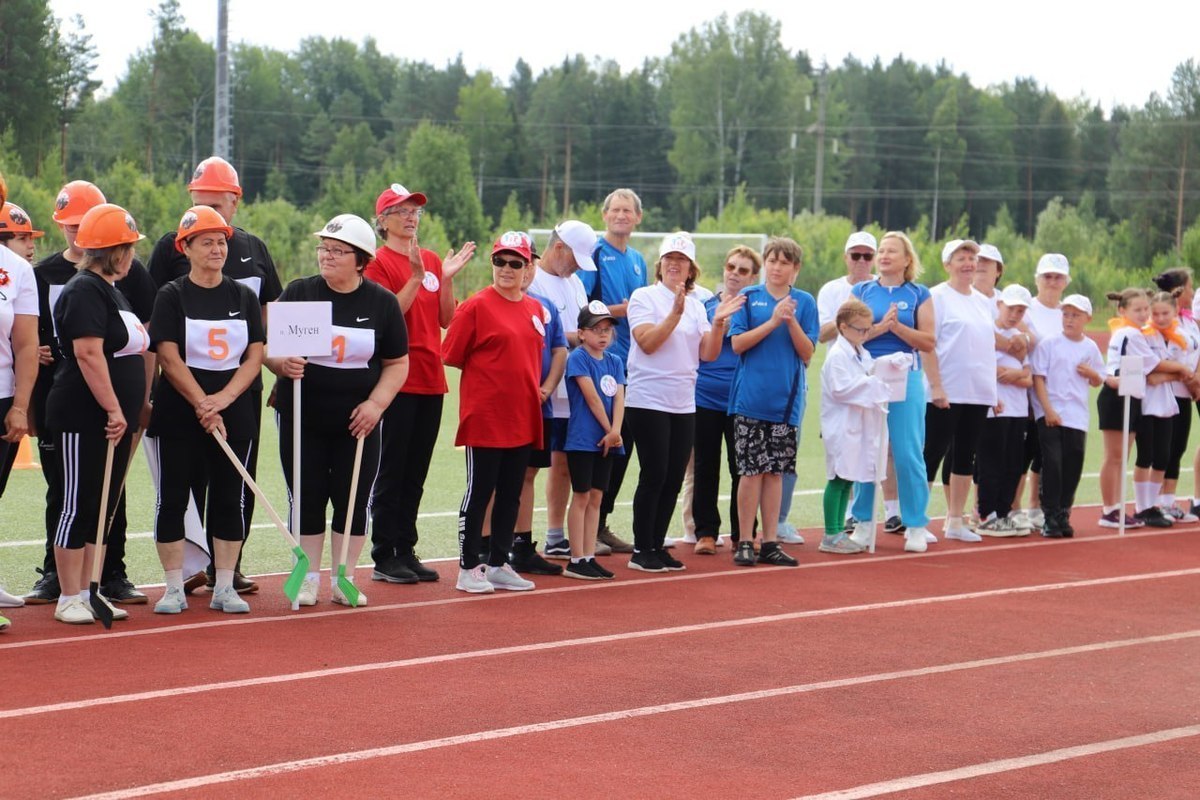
728, 127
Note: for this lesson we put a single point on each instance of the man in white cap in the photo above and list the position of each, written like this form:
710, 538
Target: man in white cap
859, 256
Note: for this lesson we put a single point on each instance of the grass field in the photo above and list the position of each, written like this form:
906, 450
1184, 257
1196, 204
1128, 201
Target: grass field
22, 507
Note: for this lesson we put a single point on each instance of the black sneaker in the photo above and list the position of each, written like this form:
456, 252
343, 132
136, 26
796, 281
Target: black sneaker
423, 573
772, 553
121, 590
242, 584
45, 591
646, 561
393, 570
607, 574
525, 558
1155, 518
744, 555
582, 570
893, 525
1064, 524
669, 561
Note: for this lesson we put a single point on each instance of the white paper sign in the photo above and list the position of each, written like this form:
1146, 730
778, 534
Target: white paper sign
1132, 380
894, 372
300, 329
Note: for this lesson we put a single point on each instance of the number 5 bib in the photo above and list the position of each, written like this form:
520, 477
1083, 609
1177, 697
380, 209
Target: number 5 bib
215, 344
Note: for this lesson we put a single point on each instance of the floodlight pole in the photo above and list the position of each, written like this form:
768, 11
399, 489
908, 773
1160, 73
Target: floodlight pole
221, 136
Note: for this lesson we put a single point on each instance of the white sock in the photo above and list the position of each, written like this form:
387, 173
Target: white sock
65, 599
1143, 495
579, 560
173, 579
1108, 509
1166, 500
85, 595
953, 523
223, 580
891, 508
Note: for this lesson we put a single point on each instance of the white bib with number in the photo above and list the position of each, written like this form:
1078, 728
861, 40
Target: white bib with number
138, 340
352, 349
216, 345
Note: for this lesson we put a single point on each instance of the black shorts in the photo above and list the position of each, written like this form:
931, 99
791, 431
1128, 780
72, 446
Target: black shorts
589, 470
763, 448
1111, 408
558, 435
540, 459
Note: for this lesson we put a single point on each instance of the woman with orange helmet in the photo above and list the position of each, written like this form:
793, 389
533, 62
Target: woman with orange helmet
98, 392
208, 334
74, 200
16, 231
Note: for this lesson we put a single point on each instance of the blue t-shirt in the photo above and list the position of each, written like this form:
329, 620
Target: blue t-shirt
907, 296
716, 377
620, 273
769, 383
607, 374
555, 337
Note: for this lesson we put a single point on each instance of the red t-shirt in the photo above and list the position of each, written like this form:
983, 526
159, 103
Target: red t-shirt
497, 343
391, 270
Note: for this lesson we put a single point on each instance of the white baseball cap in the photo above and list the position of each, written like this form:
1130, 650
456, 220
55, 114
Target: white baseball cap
580, 237
990, 251
1056, 264
1078, 301
861, 239
678, 242
957, 244
1016, 295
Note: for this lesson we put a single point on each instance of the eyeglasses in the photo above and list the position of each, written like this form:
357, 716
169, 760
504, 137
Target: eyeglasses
336, 252
511, 263
743, 271
858, 330
405, 213
861, 256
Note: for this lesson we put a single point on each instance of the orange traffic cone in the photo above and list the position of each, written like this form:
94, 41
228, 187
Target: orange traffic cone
25, 455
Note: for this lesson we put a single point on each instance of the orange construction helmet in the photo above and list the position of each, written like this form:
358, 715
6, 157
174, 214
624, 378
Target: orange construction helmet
13, 219
215, 174
106, 225
3, 189
197, 220
74, 200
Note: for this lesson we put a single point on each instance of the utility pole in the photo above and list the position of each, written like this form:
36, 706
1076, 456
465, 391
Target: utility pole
819, 181
792, 182
221, 128
937, 168
567, 175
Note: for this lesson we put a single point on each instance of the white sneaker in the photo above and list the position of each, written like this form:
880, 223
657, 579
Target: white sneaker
474, 581
308, 591
916, 540
963, 535
788, 534
340, 598
227, 600
10, 600
1036, 518
118, 613
862, 534
929, 537
173, 602
1020, 520
505, 578
74, 612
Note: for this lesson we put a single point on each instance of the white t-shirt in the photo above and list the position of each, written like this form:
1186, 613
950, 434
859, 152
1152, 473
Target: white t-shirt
1188, 356
666, 379
1160, 398
1056, 359
830, 299
964, 335
993, 302
1014, 398
18, 295
1044, 322
568, 296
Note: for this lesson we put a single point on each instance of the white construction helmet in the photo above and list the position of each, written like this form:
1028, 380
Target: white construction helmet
351, 229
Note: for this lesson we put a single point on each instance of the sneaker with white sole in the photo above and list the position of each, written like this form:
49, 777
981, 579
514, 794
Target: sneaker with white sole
1020, 520
505, 577
557, 550
228, 600
117, 613
788, 534
474, 581
840, 543
308, 591
930, 538
10, 600
862, 534
339, 598
1001, 527
963, 535
1037, 518
74, 612
1176, 513
174, 601
916, 540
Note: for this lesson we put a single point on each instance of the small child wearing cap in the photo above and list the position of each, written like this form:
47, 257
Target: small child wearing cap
596, 392
1064, 366
1003, 435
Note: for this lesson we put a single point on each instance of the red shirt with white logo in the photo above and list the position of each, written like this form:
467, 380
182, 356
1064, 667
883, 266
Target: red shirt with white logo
392, 270
497, 343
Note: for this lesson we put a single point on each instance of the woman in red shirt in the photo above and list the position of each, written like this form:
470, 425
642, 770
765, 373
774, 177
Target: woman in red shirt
496, 339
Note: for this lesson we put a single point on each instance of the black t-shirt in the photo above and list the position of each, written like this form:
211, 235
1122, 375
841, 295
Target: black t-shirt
248, 262
212, 329
90, 307
367, 328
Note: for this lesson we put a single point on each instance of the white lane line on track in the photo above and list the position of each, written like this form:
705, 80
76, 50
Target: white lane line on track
1005, 765
560, 644
863, 561
279, 768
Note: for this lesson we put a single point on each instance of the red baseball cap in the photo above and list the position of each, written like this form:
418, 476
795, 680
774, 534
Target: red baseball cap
513, 242
396, 194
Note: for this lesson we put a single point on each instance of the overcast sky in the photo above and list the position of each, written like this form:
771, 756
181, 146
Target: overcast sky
1114, 56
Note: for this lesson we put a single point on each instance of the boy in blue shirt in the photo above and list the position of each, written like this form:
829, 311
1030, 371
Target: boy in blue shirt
596, 392
774, 334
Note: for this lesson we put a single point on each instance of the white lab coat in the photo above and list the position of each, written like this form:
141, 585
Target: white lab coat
853, 411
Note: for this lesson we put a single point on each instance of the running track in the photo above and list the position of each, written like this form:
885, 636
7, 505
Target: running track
1016, 668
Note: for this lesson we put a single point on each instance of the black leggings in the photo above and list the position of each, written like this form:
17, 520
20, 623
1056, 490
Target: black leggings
1181, 431
326, 466
1153, 437
952, 432
185, 462
409, 430
713, 428
664, 447
498, 470
620, 465
1002, 450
